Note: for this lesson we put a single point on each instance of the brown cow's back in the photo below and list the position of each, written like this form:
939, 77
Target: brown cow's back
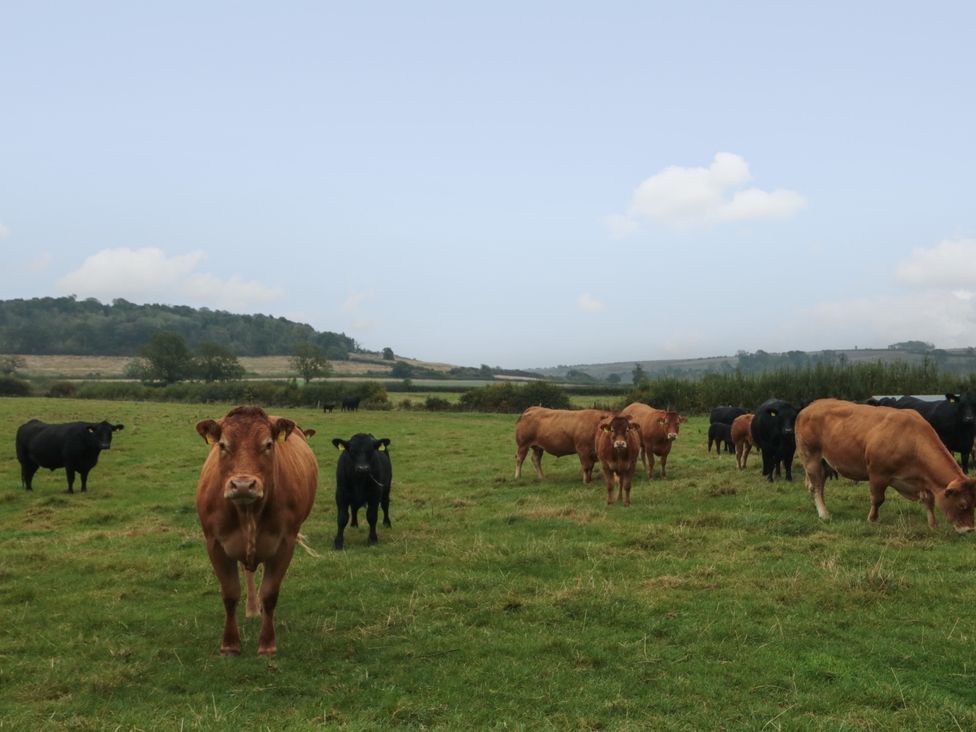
742, 438
558, 432
886, 447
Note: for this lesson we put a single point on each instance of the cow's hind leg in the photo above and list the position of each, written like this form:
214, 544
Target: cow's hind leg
342, 518
537, 462
385, 505
70, 473
251, 609
520, 452
27, 471
878, 486
815, 483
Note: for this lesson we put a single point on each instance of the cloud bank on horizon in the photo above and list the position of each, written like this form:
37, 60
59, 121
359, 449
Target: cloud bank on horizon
517, 186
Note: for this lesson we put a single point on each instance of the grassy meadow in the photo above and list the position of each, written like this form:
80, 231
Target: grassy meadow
716, 601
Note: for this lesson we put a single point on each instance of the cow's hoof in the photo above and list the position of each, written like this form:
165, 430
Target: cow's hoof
372, 541
387, 524
337, 546
268, 651
225, 652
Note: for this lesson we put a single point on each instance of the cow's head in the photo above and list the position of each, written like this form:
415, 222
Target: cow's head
245, 440
102, 431
783, 416
362, 450
671, 422
618, 428
957, 502
966, 404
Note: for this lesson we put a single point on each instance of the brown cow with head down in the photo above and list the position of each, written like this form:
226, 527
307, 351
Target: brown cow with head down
884, 446
558, 432
618, 443
659, 428
742, 439
256, 488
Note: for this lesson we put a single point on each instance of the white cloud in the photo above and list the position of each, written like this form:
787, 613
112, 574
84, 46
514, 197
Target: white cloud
4, 232
684, 197
940, 308
589, 304
951, 263
144, 275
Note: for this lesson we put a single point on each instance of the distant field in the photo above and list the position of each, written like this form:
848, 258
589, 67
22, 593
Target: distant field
717, 601
107, 367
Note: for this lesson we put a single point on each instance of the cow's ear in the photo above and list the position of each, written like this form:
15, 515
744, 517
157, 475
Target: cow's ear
682, 419
952, 398
281, 428
382, 443
339, 444
209, 431
117, 427
634, 426
951, 490
604, 426
309, 433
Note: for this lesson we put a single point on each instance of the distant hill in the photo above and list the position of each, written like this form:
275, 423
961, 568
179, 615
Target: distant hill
66, 325
961, 361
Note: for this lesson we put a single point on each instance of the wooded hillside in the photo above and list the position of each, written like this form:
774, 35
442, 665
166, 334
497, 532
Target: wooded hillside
66, 325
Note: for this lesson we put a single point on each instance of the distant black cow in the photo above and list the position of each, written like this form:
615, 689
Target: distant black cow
721, 434
328, 407
772, 432
73, 446
954, 419
726, 415
350, 404
363, 478
880, 402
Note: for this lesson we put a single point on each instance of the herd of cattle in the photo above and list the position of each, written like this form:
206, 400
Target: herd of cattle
258, 483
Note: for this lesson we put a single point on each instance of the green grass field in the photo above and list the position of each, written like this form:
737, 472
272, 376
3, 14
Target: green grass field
716, 601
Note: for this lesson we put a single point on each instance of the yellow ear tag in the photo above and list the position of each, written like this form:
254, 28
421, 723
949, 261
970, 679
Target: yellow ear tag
282, 436
341, 447
382, 447
772, 413
211, 440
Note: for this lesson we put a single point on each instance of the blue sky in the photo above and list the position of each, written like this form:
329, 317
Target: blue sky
517, 184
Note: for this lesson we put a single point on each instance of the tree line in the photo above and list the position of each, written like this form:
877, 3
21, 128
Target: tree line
66, 325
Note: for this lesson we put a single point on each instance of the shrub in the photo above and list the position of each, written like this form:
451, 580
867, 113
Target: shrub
436, 404
62, 389
12, 386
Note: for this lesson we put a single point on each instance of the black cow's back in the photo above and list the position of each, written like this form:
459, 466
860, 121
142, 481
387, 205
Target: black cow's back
725, 415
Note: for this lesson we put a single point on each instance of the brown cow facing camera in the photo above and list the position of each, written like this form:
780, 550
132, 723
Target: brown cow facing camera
659, 429
886, 447
618, 443
256, 488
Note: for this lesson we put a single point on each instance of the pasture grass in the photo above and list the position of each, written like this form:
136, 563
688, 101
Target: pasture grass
717, 601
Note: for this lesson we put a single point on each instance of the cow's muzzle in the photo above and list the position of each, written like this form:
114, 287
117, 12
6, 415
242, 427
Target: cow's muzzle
672, 436
243, 490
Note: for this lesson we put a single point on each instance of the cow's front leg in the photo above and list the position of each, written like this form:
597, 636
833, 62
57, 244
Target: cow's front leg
608, 481
71, 479
225, 569
926, 498
274, 573
877, 498
342, 518
84, 480
372, 513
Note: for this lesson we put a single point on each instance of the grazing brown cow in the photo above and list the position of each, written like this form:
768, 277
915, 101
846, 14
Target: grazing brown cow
256, 488
618, 444
884, 446
659, 428
742, 439
558, 432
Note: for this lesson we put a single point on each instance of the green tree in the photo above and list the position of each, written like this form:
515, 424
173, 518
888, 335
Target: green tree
216, 363
9, 365
309, 361
401, 370
167, 358
638, 376
388, 354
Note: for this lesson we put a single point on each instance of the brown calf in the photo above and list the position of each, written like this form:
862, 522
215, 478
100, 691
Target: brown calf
558, 432
659, 428
742, 439
618, 443
884, 446
256, 488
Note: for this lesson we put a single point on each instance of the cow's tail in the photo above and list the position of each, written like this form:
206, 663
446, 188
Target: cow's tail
304, 545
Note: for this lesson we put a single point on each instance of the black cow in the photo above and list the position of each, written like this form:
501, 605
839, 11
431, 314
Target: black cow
880, 402
73, 446
721, 434
953, 418
350, 404
772, 432
726, 415
328, 407
363, 478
